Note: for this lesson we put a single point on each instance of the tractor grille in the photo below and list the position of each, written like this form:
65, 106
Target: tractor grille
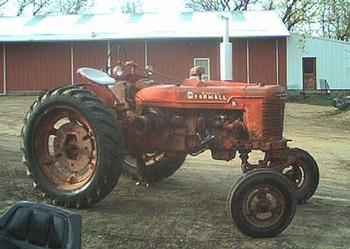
273, 117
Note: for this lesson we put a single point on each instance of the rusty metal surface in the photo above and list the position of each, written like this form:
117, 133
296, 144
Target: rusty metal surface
38, 66
272, 119
206, 95
265, 206
191, 117
65, 148
263, 106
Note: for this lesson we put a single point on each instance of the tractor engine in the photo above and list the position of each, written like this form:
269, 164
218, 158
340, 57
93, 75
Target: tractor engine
227, 129
190, 131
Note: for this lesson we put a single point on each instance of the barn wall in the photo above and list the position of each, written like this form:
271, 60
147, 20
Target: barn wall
332, 61
37, 66
89, 54
172, 59
282, 61
1, 69
239, 59
41, 66
129, 50
262, 61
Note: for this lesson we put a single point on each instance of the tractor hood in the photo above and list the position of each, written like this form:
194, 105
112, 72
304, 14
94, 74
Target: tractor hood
209, 94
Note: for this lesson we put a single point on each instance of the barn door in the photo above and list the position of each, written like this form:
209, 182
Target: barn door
309, 73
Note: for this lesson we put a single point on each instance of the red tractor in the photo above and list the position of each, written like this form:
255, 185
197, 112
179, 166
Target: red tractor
78, 139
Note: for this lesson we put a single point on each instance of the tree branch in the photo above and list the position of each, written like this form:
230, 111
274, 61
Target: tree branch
2, 3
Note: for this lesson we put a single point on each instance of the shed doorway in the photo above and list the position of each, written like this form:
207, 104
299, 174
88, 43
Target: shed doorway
309, 73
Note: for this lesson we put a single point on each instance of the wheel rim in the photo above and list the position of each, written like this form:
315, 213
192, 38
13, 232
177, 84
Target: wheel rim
264, 206
296, 173
65, 148
149, 159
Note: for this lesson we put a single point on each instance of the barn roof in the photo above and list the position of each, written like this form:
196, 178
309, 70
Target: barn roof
141, 26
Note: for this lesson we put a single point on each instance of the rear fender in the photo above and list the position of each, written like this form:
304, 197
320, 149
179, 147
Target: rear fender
103, 93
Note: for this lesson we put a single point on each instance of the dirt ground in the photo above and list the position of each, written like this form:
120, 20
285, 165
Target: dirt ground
188, 209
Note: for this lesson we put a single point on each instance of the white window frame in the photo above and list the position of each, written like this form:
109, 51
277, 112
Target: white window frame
201, 59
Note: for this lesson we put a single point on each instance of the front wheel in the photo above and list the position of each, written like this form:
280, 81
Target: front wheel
72, 147
262, 203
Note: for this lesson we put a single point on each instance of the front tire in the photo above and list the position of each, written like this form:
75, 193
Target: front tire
262, 203
72, 146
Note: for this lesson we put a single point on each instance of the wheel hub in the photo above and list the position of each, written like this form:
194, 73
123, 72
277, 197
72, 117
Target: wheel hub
66, 150
295, 173
264, 206
71, 147
74, 146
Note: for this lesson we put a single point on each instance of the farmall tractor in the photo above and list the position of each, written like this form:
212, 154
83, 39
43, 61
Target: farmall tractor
78, 139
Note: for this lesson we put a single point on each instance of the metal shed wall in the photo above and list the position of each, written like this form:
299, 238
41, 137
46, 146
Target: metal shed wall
332, 61
37, 66
88, 54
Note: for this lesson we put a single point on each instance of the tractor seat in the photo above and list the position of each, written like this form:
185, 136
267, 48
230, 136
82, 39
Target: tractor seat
37, 226
96, 76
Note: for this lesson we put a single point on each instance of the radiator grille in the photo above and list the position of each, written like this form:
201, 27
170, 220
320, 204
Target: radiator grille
273, 117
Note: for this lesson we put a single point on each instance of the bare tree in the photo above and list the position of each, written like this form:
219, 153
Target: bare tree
295, 13
42, 7
132, 6
335, 19
73, 6
22, 5
219, 5
3, 6
3, 2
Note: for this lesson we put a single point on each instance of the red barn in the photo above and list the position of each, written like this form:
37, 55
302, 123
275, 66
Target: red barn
41, 52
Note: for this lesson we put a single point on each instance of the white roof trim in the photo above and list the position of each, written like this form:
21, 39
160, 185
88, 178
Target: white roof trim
143, 26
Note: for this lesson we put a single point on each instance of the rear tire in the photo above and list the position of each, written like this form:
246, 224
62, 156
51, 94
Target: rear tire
77, 162
262, 203
155, 171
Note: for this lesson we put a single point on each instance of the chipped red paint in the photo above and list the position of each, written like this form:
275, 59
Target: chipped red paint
256, 101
